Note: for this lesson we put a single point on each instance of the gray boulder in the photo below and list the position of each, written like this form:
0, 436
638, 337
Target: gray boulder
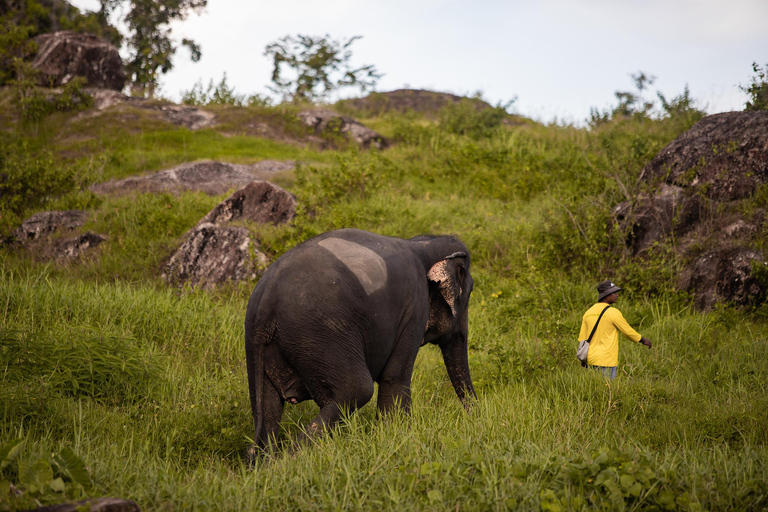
723, 275
71, 248
213, 255
43, 224
724, 156
210, 177
697, 201
62, 56
260, 202
329, 122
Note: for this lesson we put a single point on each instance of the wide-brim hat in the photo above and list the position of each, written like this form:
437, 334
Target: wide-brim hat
606, 288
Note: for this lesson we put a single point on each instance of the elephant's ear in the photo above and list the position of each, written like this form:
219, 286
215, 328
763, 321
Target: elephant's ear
450, 275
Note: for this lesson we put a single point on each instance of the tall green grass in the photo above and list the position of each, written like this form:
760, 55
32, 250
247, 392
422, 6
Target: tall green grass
147, 386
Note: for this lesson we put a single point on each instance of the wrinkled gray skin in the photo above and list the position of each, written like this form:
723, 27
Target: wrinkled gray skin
349, 308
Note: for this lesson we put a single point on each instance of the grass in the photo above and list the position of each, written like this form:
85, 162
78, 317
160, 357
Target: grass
146, 384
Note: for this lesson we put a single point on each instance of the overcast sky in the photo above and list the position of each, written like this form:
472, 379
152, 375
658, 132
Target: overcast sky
558, 57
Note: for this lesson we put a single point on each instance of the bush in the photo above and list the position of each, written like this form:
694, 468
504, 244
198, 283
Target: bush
29, 180
470, 118
757, 90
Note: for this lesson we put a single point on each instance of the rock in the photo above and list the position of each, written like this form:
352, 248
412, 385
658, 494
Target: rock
71, 248
325, 121
213, 255
724, 155
259, 202
93, 505
724, 275
701, 186
44, 224
62, 56
409, 100
208, 176
670, 210
187, 116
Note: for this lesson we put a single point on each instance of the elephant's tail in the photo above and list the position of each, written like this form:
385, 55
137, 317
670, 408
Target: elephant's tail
260, 336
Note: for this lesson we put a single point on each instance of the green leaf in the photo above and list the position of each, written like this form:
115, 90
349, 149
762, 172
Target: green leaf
426, 469
57, 485
71, 467
627, 481
34, 475
10, 452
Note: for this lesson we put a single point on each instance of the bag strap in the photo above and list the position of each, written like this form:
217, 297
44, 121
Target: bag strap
598, 321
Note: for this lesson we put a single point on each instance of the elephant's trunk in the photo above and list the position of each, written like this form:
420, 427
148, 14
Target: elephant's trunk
457, 363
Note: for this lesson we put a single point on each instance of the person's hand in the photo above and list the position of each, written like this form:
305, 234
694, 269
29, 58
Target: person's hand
646, 342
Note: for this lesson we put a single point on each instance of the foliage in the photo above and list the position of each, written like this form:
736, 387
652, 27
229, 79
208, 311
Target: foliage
470, 118
221, 94
29, 477
150, 43
34, 103
317, 67
633, 104
31, 180
757, 89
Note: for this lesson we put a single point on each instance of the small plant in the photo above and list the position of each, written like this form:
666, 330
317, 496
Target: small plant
221, 94
26, 479
757, 89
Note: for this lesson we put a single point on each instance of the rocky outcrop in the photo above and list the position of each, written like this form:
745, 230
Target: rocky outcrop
213, 255
723, 156
43, 224
409, 100
700, 190
210, 177
44, 235
71, 248
724, 274
62, 56
190, 117
260, 202
327, 122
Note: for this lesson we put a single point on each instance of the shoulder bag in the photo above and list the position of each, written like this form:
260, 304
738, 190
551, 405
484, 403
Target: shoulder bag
583, 351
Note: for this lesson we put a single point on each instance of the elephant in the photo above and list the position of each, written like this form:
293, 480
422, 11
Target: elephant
348, 308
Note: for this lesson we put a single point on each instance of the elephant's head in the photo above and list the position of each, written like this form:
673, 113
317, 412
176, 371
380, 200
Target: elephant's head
450, 285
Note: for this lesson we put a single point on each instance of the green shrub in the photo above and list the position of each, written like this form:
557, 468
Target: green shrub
469, 118
30, 180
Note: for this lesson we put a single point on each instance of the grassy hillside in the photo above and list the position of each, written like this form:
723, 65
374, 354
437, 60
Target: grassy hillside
104, 364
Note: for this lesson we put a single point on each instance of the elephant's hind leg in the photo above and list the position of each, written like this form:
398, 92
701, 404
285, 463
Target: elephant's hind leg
355, 394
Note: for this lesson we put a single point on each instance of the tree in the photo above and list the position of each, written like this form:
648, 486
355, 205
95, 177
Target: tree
758, 89
317, 67
150, 43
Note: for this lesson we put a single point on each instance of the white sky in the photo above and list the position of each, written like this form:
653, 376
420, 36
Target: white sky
559, 57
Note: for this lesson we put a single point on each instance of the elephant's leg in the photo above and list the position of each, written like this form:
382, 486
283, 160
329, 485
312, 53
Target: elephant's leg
395, 378
356, 392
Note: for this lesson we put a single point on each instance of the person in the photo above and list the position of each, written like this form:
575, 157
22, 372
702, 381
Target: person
603, 354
